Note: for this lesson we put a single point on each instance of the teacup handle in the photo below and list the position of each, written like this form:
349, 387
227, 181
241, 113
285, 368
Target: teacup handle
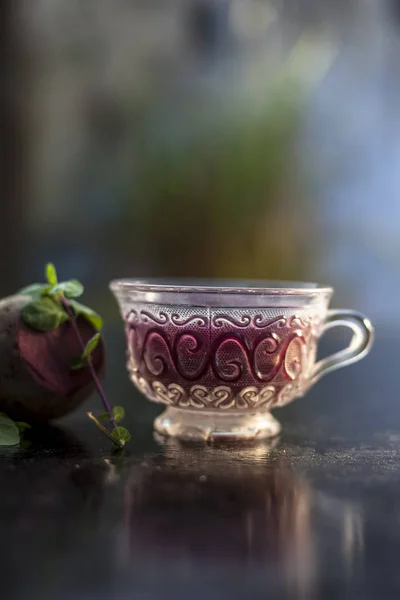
363, 336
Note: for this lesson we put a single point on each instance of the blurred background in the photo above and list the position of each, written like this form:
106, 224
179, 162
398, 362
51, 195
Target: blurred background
203, 138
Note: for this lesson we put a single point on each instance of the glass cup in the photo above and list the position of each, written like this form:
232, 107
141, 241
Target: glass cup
221, 355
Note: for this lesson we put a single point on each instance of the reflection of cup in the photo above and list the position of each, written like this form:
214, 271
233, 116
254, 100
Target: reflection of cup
201, 509
221, 356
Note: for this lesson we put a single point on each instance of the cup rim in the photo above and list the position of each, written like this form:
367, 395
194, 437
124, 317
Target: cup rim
220, 286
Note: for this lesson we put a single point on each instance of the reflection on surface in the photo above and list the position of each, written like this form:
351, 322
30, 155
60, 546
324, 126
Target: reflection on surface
50, 510
242, 507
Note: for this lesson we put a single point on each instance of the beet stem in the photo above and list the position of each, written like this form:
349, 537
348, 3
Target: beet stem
93, 373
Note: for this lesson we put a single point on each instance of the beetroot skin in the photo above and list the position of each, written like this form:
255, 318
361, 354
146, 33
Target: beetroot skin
36, 381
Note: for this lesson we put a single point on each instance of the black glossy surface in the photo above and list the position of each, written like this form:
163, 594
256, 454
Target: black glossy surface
316, 516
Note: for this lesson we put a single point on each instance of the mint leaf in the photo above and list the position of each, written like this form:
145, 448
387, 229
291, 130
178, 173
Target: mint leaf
78, 363
89, 314
71, 289
25, 444
51, 274
9, 432
121, 434
91, 345
103, 417
22, 426
44, 314
35, 290
118, 413
81, 361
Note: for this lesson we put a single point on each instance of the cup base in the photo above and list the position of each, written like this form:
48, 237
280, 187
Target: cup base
203, 426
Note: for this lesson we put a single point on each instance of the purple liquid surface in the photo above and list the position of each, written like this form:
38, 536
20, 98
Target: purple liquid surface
236, 349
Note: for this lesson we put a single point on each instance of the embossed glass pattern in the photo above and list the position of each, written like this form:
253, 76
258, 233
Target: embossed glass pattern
221, 356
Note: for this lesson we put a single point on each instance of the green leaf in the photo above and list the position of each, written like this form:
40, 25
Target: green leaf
89, 314
118, 413
78, 363
43, 315
35, 290
103, 417
71, 289
25, 444
51, 274
121, 434
9, 432
91, 345
22, 426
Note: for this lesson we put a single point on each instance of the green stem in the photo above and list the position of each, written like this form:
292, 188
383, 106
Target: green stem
104, 429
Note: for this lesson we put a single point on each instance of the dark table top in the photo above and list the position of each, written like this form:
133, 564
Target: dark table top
316, 514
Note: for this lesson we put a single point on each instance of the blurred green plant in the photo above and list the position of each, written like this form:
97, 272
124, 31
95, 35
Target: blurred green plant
226, 200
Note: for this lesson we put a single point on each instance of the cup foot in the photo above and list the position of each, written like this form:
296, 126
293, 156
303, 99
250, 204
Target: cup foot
191, 425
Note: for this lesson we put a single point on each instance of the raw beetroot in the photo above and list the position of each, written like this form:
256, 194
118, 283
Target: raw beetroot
36, 381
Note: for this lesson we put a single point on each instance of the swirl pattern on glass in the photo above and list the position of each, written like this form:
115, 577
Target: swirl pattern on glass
203, 359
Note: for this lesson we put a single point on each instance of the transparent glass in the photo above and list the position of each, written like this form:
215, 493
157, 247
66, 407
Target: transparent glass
222, 354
